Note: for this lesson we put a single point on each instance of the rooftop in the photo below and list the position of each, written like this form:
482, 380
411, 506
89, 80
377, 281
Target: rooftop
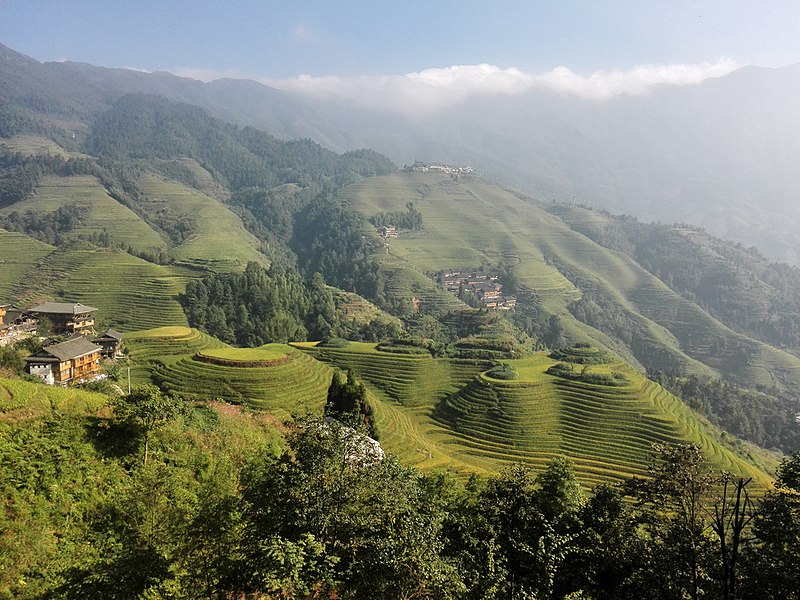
111, 333
65, 308
72, 348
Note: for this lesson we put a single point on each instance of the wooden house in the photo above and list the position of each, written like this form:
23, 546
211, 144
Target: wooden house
109, 341
67, 317
72, 361
15, 324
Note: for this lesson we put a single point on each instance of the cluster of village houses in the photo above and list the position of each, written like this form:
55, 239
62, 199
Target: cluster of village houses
483, 285
435, 167
74, 352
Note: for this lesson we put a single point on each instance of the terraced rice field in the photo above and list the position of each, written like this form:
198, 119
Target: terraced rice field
102, 211
34, 145
274, 378
19, 254
410, 380
679, 325
291, 387
130, 293
441, 413
219, 240
163, 345
607, 431
491, 225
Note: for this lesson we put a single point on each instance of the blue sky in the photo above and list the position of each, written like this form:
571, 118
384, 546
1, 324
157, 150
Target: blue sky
283, 39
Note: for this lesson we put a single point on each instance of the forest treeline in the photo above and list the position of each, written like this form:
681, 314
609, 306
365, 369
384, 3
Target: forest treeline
410, 219
261, 305
167, 499
271, 305
149, 127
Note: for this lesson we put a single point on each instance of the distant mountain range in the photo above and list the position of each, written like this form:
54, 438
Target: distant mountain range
722, 154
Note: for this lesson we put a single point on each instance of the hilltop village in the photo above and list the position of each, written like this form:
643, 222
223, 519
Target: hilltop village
423, 167
71, 350
478, 288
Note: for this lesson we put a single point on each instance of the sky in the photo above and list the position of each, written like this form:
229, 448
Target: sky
342, 47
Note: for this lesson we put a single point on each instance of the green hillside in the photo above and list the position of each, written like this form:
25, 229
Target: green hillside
598, 293
129, 292
102, 212
218, 240
19, 255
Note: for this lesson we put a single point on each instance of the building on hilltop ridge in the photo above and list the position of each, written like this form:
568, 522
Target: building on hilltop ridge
72, 361
67, 317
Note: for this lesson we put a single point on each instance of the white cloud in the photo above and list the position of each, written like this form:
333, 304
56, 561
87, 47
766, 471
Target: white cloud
440, 88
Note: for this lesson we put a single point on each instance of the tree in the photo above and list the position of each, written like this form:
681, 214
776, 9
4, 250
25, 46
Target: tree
318, 521
347, 402
610, 553
731, 514
675, 496
773, 562
10, 359
44, 327
147, 409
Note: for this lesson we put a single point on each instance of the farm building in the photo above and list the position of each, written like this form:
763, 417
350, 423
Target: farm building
72, 361
388, 231
67, 317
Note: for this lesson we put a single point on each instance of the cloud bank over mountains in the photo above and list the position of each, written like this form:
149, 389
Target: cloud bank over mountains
437, 89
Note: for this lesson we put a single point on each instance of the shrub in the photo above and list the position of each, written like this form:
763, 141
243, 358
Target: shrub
502, 371
333, 342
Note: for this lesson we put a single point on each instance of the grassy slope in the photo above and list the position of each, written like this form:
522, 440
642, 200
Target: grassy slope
34, 145
130, 293
441, 413
19, 254
700, 336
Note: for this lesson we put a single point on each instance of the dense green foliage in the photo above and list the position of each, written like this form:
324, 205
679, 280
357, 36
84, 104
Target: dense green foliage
502, 371
347, 403
410, 219
586, 375
328, 239
147, 127
580, 353
260, 306
765, 417
19, 174
47, 227
220, 511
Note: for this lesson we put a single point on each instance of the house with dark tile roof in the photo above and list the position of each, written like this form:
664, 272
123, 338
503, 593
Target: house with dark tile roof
109, 341
72, 361
67, 317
